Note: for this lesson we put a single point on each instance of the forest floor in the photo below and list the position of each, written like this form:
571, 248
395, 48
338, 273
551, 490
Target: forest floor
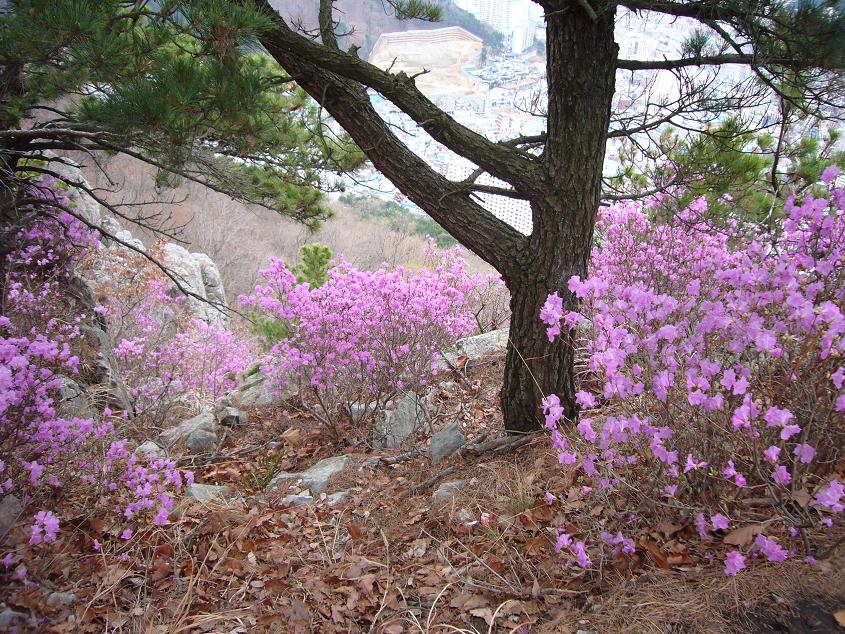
387, 559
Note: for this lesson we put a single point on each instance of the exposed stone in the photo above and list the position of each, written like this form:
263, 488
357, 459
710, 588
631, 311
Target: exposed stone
151, 450
299, 499
336, 498
399, 424
170, 437
10, 510
108, 364
202, 441
85, 205
256, 393
56, 599
205, 492
232, 417
315, 478
358, 411
253, 379
185, 268
446, 491
73, 403
211, 279
10, 619
481, 345
444, 443
123, 236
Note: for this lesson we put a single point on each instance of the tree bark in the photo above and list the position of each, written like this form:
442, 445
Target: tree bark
581, 59
563, 185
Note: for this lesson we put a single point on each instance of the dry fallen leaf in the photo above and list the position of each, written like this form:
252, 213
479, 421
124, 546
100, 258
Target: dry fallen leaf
742, 537
292, 436
839, 615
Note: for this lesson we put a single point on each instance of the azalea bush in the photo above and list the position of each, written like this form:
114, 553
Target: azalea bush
170, 360
50, 460
363, 336
718, 351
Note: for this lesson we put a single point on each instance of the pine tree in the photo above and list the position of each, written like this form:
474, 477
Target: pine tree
795, 50
180, 85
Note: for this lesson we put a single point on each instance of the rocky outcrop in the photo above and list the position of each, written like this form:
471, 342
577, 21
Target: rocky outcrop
10, 510
206, 492
394, 426
198, 275
150, 450
205, 421
446, 492
446, 442
316, 479
495, 341
196, 271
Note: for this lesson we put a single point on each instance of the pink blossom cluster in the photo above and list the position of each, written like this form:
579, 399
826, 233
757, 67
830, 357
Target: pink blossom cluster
719, 353
164, 352
48, 459
364, 336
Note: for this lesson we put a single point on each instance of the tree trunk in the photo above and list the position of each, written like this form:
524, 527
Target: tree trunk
581, 59
563, 185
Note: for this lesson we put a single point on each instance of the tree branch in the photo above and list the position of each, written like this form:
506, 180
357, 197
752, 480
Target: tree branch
500, 161
348, 103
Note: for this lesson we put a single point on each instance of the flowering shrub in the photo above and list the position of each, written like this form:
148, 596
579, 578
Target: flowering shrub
167, 353
48, 459
719, 354
363, 336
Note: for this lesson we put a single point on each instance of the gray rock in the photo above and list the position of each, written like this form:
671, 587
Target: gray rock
10, 619
109, 366
255, 378
232, 417
123, 237
212, 282
185, 268
446, 491
202, 441
297, 500
260, 394
357, 411
170, 437
206, 492
73, 402
446, 442
336, 498
150, 450
481, 345
197, 274
399, 424
315, 478
56, 599
10, 510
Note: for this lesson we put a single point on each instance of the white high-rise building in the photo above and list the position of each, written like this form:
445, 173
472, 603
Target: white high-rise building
516, 19
496, 13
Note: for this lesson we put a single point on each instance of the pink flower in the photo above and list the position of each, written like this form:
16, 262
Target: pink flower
789, 431
804, 452
563, 540
550, 498
830, 496
770, 549
830, 174
719, 522
781, 475
734, 562
771, 454
776, 416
